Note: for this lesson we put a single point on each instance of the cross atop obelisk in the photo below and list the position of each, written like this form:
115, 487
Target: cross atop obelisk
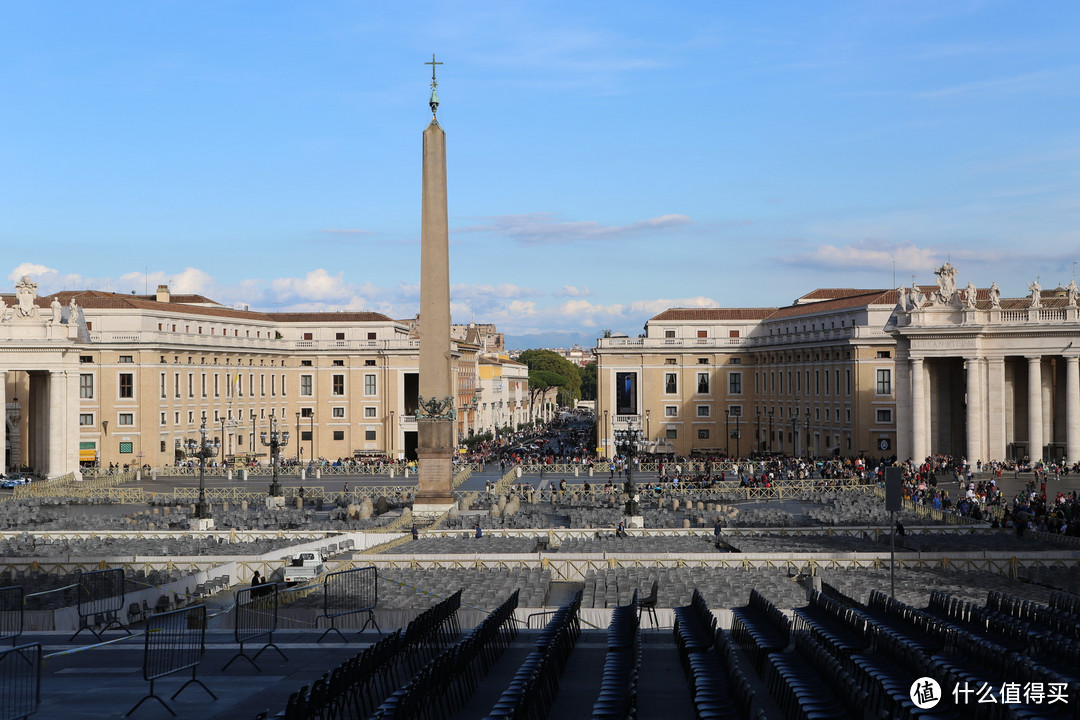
435, 414
434, 100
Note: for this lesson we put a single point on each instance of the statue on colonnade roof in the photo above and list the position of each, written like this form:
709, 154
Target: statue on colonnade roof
25, 293
946, 283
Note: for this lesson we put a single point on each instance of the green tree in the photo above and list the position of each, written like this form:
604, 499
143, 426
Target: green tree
553, 362
540, 381
588, 381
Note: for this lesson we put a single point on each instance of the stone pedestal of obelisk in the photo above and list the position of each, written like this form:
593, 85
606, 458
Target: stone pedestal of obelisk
435, 413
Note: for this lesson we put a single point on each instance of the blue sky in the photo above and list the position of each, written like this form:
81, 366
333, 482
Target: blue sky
607, 160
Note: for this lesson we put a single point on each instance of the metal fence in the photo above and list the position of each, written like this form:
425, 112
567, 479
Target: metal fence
20, 681
175, 641
12, 610
256, 618
349, 592
100, 597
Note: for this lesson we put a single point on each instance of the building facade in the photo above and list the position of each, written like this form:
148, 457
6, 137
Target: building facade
815, 377
126, 379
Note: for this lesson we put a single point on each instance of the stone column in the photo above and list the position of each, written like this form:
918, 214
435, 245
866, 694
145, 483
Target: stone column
71, 417
996, 409
919, 426
3, 421
56, 423
903, 408
974, 410
1072, 409
1035, 408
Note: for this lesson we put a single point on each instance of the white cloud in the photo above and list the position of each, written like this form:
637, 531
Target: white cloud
317, 285
572, 291
867, 255
545, 228
33, 270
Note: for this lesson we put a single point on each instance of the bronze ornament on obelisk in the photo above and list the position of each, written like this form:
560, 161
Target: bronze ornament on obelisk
435, 413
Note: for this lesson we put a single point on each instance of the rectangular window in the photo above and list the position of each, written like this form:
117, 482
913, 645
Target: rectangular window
338, 412
671, 411
307, 412
273, 386
369, 363
283, 391
735, 383
128, 418
703, 434
86, 419
127, 358
371, 336
305, 363
339, 434
86, 358
703, 333
339, 336
308, 336
671, 383
305, 386
305, 435
217, 385
127, 385
884, 382
163, 421
626, 393
369, 434
671, 433
370, 411
883, 416
703, 383
191, 385
847, 381
826, 382
370, 387
703, 411
338, 385
127, 448
163, 386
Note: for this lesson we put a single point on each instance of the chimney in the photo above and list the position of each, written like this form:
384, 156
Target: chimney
163, 293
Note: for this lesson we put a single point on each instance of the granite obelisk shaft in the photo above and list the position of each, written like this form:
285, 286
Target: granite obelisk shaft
435, 416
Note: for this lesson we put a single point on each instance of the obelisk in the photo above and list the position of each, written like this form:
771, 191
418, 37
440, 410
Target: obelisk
435, 413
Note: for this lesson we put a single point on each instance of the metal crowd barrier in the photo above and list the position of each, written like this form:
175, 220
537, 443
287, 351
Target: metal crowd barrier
20, 681
101, 596
12, 610
256, 617
175, 641
349, 592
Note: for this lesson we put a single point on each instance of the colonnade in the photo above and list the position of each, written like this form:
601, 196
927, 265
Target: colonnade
1013, 405
49, 422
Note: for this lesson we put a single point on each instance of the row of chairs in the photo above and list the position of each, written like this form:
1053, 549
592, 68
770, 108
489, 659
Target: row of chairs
1047, 618
718, 688
1067, 601
360, 685
618, 686
760, 628
445, 684
811, 683
536, 683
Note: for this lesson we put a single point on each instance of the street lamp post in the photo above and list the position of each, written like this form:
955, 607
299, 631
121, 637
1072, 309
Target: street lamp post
297, 437
738, 434
275, 441
769, 440
727, 432
794, 422
202, 448
758, 444
311, 437
806, 429
627, 441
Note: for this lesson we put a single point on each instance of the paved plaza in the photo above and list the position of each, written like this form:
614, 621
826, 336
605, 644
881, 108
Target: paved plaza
549, 565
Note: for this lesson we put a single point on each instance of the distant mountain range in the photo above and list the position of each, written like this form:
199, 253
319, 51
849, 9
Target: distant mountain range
556, 339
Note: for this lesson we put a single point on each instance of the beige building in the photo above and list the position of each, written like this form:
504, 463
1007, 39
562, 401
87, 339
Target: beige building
132, 376
813, 377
